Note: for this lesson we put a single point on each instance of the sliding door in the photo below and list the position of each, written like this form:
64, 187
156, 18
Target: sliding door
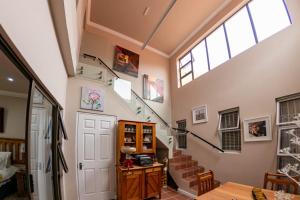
41, 146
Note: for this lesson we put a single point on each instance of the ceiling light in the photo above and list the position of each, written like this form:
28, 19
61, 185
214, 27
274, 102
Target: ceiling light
10, 79
146, 11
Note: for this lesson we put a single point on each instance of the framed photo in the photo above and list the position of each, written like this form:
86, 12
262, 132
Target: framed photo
126, 61
199, 114
153, 88
92, 99
257, 129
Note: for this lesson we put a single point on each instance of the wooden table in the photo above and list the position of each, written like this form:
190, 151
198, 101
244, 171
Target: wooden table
230, 190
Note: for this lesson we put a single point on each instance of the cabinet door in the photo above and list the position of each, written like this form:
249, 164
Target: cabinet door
148, 138
132, 185
129, 135
152, 183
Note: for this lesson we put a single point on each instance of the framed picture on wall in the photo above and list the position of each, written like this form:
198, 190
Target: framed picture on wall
153, 88
199, 114
126, 61
92, 99
257, 129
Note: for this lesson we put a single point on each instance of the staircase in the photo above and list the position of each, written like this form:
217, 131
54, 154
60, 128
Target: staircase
93, 68
184, 170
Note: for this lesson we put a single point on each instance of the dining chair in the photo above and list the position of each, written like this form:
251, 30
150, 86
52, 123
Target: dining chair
280, 182
205, 182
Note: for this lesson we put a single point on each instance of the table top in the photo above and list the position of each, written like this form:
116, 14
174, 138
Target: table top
230, 190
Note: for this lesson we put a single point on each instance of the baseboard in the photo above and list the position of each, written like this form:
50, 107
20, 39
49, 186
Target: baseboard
186, 193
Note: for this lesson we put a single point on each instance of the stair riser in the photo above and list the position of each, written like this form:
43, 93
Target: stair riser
176, 153
181, 158
192, 172
186, 165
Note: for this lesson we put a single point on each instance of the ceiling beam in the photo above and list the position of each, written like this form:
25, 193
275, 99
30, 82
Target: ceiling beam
159, 23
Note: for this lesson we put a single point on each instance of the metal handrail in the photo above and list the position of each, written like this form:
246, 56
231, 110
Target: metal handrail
197, 136
137, 96
132, 91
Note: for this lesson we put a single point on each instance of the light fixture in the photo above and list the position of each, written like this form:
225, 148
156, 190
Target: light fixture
10, 79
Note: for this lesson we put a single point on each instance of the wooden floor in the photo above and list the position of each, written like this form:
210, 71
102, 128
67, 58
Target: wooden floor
170, 194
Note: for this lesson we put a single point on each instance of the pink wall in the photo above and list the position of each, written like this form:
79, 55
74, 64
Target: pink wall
251, 81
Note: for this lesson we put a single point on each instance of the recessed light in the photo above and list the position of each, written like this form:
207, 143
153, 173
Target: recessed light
10, 79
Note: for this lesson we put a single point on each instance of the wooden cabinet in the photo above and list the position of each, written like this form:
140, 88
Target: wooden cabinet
140, 135
148, 138
153, 182
139, 183
130, 187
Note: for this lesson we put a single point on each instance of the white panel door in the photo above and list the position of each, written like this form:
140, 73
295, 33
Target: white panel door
96, 157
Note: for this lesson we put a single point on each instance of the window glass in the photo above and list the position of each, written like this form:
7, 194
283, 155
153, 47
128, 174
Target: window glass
186, 69
41, 147
217, 47
185, 59
123, 88
200, 65
231, 140
239, 32
269, 17
186, 79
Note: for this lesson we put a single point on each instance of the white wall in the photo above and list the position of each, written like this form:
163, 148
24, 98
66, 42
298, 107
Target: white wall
251, 81
103, 47
29, 26
14, 117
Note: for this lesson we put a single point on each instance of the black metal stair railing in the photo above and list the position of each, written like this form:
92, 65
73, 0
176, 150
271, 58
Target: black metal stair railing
197, 136
101, 62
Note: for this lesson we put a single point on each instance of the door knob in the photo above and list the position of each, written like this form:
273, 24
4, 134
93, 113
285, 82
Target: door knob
80, 166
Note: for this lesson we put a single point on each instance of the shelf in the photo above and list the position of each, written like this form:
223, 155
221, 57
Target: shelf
147, 142
129, 132
147, 133
129, 142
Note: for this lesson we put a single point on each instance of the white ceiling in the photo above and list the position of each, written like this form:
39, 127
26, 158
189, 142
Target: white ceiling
8, 69
126, 17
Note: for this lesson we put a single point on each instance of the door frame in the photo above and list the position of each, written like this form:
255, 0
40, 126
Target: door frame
76, 144
11, 51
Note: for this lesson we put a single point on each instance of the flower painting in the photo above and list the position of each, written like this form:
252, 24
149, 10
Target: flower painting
91, 99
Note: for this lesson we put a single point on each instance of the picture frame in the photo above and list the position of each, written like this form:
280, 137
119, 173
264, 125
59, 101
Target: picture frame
92, 99
126, 61
153, 88
257, 129
199, 114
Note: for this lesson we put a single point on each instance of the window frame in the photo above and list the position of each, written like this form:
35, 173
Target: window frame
232, 129
280, 128
284, 99
181, 135
181, 67
223, 24
221, 113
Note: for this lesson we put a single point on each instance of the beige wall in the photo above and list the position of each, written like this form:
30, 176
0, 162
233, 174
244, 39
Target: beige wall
29, 25
103, 46
14, 116
252, 81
